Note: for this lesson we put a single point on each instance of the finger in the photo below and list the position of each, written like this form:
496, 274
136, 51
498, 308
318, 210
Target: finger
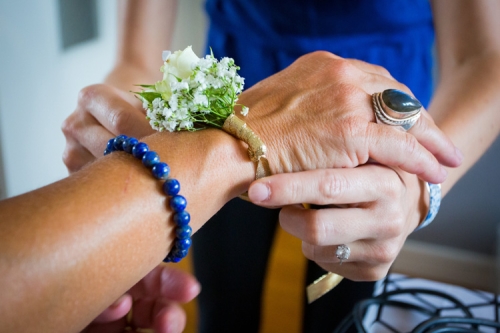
110, 108
158, 312
169, 283
367, 252
329, 226
83, 129
115, 311
94, 138
321, 187
396, 148
75, 156
434, 140
170, 319
425, 130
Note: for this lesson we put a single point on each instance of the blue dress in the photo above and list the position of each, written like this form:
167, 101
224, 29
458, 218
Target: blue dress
265, 36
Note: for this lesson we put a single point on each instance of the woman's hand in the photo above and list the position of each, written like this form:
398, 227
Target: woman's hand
154, 301
380, 208
317, 113
102, 112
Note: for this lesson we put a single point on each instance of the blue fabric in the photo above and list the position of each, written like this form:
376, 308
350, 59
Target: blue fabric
265, 36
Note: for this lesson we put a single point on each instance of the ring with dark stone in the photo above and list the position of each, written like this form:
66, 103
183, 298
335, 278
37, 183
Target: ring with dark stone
396, 108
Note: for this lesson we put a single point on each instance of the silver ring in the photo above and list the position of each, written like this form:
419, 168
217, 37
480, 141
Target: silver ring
396, 108
343, 252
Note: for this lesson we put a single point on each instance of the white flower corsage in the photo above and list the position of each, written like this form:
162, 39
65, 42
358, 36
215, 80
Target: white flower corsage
194, 93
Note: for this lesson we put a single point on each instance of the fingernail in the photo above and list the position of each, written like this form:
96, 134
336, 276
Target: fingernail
459, 154
118, 301
258, 192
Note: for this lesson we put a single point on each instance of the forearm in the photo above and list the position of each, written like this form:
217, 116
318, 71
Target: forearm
145, 30
467, 108
467, 104
82, 242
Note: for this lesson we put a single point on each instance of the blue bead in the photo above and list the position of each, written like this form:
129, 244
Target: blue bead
178, 253
139, 150
129, 143
178, 203
150, 158
183, 232
161, 170
171, 187
107, 151
111, 145
182, 218
175, 259
118, 144
183, 244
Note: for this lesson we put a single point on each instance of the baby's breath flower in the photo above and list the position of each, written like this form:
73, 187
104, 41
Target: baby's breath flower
244, 111
194, 93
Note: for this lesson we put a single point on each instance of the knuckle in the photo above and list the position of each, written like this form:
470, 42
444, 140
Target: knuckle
342, 68
309, 251
119, 120
376, 273
68, 126
89, 92
411, 145
385, 254
70, 160
315, 229
382, 70
331, 187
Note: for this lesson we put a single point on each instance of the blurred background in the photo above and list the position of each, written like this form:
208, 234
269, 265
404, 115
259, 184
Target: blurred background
50, 49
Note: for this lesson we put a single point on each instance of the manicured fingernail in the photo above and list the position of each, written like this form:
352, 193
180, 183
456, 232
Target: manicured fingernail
459, 154
258, 192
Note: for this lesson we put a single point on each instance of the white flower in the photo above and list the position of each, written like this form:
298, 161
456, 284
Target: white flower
170, 125
156, 103
181, 114
179, 86
167, 113
186, 124
244, 111
179, 64
200, 100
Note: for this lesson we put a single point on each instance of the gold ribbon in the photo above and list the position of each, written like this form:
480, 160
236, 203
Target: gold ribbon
256, 147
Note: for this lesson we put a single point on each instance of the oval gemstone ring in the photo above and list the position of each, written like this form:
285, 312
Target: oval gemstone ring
396, 108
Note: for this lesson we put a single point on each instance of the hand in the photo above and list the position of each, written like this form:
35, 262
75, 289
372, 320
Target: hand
155, 304
318, 113
102, 112
381, 208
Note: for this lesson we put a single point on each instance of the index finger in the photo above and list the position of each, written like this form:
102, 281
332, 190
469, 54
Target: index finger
322, 186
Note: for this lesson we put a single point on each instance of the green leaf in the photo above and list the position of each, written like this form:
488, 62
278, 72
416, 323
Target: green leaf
149, 96
146, 86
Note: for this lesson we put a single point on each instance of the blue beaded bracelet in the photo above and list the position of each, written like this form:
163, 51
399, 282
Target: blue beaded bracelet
171, 188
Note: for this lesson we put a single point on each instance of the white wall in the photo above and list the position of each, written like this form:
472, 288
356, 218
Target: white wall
39, 82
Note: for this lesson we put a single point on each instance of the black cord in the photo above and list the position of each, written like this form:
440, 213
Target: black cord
425, 326
436, 324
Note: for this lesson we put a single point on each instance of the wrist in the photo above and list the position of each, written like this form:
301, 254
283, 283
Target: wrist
209, 159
